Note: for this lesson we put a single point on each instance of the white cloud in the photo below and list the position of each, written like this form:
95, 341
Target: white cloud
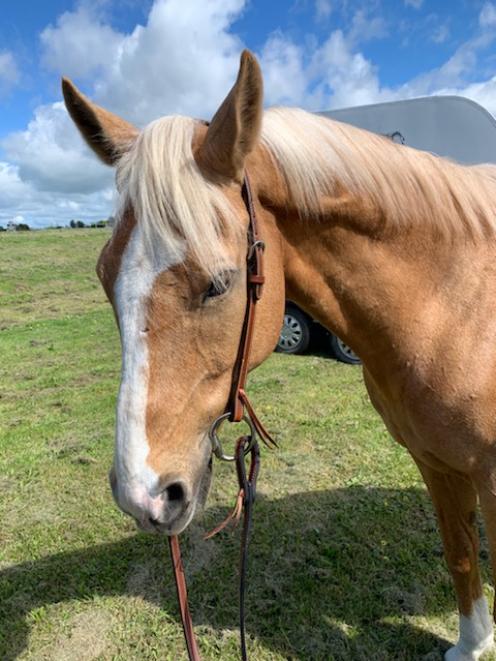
141, 75
44, 208
365, 27
285, 78
487, 16
440, 34
184, 59
12, 188
152, 74
79, 43
452, 74
9, 73
481, 92
346, 78
323, 9
149, 72
51, 156
332, 74
416, 4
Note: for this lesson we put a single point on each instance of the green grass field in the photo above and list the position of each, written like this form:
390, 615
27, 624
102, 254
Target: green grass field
346, 561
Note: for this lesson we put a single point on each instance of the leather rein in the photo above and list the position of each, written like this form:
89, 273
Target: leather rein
238, 409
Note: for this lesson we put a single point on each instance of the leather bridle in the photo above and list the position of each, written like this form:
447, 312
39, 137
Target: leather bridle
238, 408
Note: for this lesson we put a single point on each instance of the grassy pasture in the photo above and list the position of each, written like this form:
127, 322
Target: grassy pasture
346, 561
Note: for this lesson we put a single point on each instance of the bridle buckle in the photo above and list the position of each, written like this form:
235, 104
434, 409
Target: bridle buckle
256, 245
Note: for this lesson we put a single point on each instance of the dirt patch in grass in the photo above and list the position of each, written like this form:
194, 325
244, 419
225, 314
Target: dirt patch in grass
66, 446
87, 638
201, 552
145, 580
408, 602
6, 483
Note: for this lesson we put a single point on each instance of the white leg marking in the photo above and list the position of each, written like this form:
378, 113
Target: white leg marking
476, 634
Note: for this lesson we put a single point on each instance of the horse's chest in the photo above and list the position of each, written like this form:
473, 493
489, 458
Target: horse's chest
444, 428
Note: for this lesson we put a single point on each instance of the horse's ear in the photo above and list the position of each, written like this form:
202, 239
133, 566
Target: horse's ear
107, 134
235, 128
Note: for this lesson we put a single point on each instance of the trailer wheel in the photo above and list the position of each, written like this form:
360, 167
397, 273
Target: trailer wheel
342, 351
295, 332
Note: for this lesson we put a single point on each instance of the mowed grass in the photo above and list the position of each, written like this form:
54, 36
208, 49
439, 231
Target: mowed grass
346, 561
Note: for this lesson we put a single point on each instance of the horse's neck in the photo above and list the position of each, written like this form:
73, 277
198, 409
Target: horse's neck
366, 288
386, 293
341, 277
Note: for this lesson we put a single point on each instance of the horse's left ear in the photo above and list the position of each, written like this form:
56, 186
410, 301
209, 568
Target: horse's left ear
235, 128
107, 134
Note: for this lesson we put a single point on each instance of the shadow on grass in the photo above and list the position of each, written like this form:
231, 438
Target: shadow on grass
333, 575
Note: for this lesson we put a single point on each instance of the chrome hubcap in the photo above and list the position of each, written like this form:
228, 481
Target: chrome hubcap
291, 332
346, 350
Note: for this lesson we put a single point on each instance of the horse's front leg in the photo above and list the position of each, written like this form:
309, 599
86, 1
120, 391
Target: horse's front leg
455, 501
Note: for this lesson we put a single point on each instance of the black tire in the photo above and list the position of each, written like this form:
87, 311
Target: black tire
295, 332
342, 351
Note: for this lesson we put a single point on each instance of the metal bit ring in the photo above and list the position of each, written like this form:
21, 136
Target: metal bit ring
217, 448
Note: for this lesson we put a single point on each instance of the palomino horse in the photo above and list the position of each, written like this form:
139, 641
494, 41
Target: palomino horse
392, 249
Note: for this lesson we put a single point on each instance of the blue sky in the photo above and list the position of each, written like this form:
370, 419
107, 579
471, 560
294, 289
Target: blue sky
147, 58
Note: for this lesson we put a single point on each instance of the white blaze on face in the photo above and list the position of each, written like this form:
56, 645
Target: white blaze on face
136, 481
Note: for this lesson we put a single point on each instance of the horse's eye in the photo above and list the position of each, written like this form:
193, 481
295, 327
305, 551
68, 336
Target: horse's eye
214, 290
218, 286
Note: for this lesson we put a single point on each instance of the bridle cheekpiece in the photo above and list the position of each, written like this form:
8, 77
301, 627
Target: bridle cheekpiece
238, 409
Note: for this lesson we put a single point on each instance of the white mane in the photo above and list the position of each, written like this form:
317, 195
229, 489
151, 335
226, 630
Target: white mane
172, 201
318, 157
175, 204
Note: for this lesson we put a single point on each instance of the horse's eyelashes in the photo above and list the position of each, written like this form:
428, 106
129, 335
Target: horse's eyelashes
215, 289
219, 286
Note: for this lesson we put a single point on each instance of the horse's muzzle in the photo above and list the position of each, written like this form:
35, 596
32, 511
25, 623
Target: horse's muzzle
167, 511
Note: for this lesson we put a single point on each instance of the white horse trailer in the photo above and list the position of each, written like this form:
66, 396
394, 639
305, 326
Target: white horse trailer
449, 126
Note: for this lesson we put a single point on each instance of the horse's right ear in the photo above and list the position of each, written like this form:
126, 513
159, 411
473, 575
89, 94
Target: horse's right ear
107, 134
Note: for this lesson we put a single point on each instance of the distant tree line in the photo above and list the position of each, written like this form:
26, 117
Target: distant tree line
74, 224
18, 227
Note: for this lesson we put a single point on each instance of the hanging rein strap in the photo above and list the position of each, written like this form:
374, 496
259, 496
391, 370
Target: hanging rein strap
246, 499
248, 484
238, 408
182, 597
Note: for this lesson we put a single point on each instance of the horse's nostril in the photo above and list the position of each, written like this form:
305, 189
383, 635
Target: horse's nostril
154, 522
175, 492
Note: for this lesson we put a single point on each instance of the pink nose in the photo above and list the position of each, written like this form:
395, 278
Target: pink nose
162, 512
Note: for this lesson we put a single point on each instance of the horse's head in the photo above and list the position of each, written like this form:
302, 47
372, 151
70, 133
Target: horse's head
175, 274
